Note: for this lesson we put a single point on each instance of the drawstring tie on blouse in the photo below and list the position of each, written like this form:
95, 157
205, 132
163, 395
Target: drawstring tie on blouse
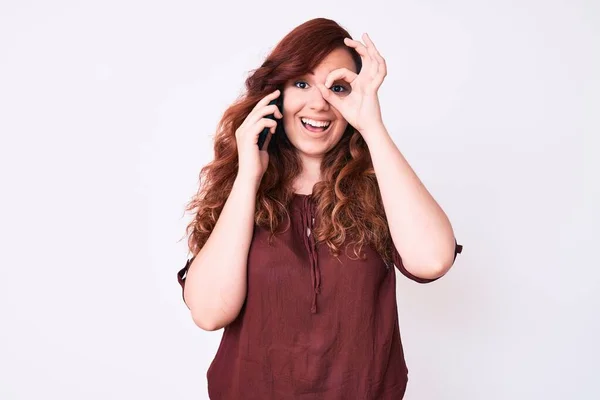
308, 220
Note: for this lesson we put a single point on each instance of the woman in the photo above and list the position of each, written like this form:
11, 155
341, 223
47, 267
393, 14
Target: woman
305, 317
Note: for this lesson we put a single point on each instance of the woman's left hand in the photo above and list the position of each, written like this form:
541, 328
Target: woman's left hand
361, 107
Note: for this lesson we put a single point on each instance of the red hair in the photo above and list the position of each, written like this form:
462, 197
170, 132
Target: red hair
348, 199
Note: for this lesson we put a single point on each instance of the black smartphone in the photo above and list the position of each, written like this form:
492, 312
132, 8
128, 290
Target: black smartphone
263, 135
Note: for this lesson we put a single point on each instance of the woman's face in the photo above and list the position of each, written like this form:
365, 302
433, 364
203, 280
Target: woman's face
302, 100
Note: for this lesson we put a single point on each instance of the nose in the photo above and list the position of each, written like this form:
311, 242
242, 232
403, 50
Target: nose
316, 100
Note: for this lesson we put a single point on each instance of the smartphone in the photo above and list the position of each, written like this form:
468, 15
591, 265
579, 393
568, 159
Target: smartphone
263, 135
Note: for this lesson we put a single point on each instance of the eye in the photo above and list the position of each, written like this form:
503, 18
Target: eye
335, 88
341, 88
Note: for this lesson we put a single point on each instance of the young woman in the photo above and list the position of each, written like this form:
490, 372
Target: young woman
293, 245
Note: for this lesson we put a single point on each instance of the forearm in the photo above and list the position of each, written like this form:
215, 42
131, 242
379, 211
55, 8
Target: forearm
420, 229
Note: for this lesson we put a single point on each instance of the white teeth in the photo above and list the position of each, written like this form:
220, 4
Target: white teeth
318, 124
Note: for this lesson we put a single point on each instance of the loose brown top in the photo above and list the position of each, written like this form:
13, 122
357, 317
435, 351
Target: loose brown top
312, 327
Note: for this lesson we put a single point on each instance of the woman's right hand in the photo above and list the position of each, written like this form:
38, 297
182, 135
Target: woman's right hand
252, 161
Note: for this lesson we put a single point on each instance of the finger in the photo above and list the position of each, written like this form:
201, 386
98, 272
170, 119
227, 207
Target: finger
374, 70
261, 124
340, 73
328, 96
263, 112
265, 100
382, 73
368, 40
258, 128
382, 66
270, 109
358, 46
267, 123
266, 143
268, 140
362, 51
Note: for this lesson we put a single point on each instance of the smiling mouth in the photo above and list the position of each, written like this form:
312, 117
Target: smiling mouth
314, 129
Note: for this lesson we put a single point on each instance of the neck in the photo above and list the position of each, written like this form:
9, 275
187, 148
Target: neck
311, 174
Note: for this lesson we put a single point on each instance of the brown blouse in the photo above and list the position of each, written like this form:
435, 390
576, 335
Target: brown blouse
312, 327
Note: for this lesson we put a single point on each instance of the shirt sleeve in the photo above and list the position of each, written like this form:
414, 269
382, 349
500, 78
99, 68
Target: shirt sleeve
400, 265
181, 275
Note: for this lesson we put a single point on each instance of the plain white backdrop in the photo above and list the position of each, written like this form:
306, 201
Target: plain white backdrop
107, 114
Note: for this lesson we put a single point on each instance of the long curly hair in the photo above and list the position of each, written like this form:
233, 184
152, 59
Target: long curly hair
349, 204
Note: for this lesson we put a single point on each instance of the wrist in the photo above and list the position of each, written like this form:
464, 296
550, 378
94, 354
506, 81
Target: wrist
375, 135
247, 182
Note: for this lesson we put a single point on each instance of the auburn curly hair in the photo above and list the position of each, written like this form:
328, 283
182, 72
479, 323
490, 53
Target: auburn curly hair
349, 204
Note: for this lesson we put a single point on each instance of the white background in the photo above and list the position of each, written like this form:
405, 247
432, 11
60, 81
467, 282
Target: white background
107, 111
